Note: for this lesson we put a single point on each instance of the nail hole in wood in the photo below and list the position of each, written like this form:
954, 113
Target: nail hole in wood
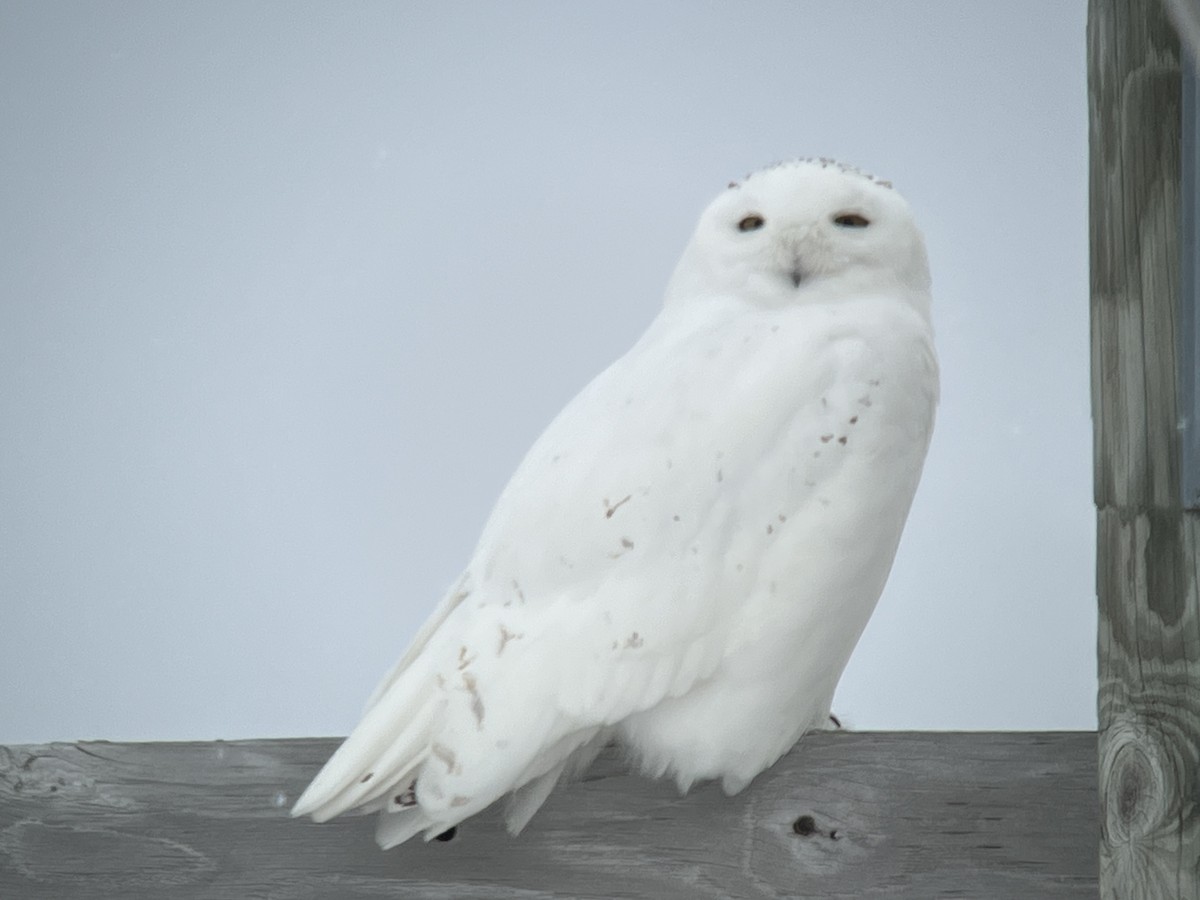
805, 826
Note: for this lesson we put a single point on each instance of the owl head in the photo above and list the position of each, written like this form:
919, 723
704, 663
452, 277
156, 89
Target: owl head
808, 231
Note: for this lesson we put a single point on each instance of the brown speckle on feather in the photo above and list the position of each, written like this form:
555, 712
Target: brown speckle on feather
470, 686
505, 637
446, 755
609, 510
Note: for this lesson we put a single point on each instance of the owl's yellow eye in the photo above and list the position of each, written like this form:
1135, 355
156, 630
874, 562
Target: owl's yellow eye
752, 222
850, 220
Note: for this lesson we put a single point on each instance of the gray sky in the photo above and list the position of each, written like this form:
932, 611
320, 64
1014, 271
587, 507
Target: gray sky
287, 289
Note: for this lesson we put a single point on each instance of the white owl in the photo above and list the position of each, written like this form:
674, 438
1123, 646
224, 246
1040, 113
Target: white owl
685, 559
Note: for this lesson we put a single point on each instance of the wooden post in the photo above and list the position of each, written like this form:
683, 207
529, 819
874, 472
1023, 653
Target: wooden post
1147, 545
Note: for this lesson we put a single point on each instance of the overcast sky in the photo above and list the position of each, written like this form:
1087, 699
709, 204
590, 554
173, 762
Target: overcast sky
287, 289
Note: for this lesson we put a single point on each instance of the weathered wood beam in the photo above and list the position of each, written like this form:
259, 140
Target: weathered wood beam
889, 815
1147, 545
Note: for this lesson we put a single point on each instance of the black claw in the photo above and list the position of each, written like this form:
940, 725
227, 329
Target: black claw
448, 834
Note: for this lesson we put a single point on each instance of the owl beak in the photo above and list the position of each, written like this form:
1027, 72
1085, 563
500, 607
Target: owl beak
793, 247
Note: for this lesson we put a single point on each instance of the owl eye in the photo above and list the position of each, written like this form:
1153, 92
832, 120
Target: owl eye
752, 222
850, 220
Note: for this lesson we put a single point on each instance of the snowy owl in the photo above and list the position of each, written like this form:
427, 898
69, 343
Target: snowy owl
686, 557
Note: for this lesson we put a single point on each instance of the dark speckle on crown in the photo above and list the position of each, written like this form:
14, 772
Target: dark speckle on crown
823, 161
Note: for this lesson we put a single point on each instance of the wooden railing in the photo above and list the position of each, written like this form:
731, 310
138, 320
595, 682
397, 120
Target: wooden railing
845, 814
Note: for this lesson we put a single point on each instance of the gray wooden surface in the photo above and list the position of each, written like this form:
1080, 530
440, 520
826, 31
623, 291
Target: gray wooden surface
997, 815
1147, 572
1189, 306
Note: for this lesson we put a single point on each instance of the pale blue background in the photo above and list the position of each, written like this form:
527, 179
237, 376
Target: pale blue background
286, 290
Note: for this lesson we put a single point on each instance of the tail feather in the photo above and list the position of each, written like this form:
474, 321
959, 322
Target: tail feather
397, 827
389, 743
374, 793
529, 797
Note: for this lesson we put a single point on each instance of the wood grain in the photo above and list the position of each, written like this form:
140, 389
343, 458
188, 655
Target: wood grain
1149, 639
892, 815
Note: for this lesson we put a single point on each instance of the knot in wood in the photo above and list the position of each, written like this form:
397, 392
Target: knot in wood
39, 774
1138, 793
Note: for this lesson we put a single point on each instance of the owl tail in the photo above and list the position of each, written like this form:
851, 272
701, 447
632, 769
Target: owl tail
579, 753
375, 767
